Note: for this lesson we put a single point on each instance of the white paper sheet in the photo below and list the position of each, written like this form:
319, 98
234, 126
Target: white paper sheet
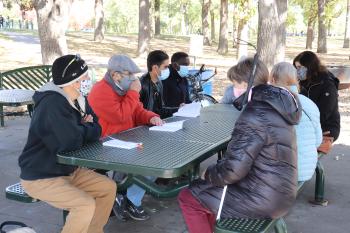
169, 127
189, 110
122, 144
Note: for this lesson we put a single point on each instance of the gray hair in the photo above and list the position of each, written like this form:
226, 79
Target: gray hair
284, 74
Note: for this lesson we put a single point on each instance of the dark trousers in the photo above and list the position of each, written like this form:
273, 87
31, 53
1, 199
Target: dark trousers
198, 218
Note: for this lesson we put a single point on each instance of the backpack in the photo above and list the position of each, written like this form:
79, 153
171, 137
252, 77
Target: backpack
22, 228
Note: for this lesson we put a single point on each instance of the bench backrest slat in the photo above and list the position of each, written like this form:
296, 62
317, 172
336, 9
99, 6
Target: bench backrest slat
32, 77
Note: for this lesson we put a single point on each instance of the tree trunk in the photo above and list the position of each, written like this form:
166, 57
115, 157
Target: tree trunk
151, 19
144, 28
271, 31
310, 33
212, 25
242, 34
186, 18
329, 28
205, 21
322, 32
347, 27
234, 30
99, 18
223, 43
157, 17
183, 23
52, 20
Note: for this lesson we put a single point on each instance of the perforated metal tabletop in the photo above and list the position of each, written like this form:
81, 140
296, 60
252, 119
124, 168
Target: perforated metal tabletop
164, 154
16, 96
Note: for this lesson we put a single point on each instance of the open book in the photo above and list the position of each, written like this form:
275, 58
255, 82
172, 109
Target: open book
189, 110
169, 127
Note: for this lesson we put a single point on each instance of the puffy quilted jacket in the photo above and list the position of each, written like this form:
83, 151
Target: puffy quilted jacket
309, 137
260, 164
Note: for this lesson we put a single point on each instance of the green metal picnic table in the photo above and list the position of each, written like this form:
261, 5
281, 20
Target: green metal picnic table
164, 154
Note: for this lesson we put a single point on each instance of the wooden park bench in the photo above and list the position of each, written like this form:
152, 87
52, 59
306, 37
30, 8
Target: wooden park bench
240, 225
17, 87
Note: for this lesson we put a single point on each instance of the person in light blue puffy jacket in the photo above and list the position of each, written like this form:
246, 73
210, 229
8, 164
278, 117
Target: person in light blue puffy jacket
308, 131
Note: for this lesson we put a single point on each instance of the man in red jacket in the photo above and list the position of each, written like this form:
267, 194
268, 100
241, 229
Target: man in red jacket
116, 101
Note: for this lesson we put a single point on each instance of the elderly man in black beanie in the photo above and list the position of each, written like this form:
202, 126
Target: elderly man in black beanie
64, 121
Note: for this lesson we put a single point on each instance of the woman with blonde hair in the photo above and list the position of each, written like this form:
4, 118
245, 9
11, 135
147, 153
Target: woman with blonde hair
308, 131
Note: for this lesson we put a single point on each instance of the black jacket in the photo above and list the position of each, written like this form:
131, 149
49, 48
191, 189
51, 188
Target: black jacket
151, 96
175, 89
324, 93
55, 127
260, 164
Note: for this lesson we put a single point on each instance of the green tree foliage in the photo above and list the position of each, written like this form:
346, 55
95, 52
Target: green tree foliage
333, 9
24, 4
121, 16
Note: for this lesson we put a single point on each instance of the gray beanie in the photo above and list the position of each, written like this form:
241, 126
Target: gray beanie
121, 63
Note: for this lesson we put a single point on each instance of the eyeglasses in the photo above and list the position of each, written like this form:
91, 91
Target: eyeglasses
76, 58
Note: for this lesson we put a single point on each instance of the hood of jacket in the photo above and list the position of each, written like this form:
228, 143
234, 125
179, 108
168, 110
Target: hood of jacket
281, 100
50, 88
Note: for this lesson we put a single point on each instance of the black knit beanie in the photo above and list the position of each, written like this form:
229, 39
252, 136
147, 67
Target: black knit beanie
68, 69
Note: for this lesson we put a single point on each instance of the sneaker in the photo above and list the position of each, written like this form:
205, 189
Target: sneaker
119, 208
136, 212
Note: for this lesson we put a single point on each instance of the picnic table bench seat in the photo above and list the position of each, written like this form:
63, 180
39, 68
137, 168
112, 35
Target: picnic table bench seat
17, 87
16, 192
241, 225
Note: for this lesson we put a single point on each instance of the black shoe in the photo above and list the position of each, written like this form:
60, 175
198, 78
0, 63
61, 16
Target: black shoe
136, 212
119, 208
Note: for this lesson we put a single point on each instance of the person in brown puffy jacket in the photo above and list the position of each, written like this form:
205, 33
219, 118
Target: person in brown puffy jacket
260, 164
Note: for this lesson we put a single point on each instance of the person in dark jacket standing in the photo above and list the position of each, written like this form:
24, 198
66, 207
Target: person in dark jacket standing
260, 164
63, 121
175, 88
151, 94
320, 85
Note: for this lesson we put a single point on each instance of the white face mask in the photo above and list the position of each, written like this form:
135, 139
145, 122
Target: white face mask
85, 87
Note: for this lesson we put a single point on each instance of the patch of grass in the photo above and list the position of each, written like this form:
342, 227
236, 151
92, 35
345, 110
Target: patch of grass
3, 36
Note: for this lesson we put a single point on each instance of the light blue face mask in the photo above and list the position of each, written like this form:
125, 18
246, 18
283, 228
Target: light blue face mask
301, 73
183, 72
125, 82
164, 74
294, 88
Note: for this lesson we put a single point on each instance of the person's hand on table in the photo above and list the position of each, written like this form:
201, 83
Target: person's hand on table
156, 121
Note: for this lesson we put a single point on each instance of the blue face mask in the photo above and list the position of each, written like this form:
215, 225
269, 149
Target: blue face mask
183, 72
301, 73
164, 74
125, 82
294, 88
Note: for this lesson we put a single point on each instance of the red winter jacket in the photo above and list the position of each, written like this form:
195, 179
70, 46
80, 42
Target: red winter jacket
117, 113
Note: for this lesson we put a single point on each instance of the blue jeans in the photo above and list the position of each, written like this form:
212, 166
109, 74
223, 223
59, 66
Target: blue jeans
135, 193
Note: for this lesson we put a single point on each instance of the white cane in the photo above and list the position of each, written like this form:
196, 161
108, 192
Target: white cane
221, 203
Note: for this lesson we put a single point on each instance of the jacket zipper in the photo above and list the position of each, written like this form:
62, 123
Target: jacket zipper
308, 92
